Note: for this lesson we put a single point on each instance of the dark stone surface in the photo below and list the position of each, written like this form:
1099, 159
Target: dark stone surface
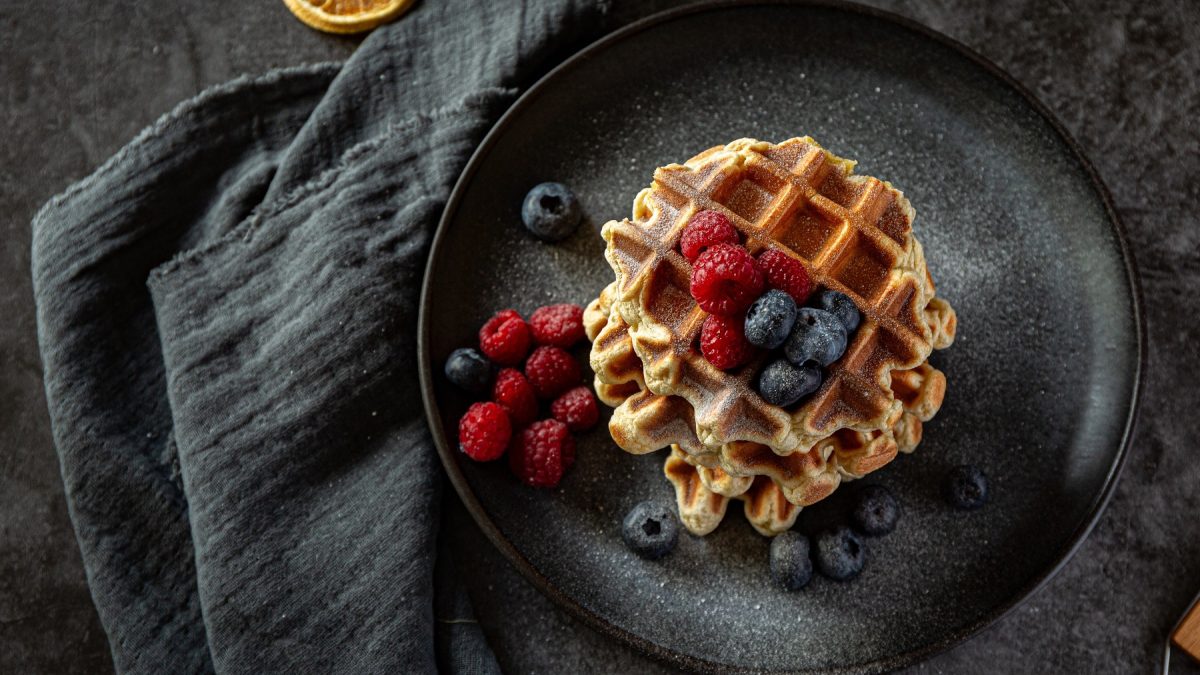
77, 82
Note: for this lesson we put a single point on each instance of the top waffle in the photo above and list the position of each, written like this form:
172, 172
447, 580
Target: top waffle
852, 233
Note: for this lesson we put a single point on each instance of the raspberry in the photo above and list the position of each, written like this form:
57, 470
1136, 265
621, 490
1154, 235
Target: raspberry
723, 343
725, 280
557, 325
505, 338
542, 453
576, 409
785, 273
551, 371
704, 230
514, 393
483, 432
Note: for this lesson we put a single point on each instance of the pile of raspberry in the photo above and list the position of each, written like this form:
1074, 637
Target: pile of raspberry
537, 398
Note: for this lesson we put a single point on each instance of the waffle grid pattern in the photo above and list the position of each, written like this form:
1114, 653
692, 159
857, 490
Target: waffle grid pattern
846, 230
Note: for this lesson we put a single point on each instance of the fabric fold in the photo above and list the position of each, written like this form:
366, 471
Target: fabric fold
226, 314
93, 249
290, 362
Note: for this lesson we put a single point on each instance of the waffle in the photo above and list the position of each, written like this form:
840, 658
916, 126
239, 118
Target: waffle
851, 233
701, 507
703, 487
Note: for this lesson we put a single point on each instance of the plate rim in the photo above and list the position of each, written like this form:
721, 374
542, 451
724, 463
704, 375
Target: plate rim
433, 416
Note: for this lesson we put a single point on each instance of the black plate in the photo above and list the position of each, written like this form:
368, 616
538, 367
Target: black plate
1019, 234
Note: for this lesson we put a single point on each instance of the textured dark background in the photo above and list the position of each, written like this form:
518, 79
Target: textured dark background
78, 80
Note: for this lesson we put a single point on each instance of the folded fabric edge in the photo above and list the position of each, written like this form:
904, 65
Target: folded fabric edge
474, 101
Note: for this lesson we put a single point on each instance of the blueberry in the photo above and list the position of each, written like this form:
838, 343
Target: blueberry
550, 211
469, 370
782, 383
769, 320
841, 306
791, 567
966, 487
876, 511
650, 530
817, 336
840, 554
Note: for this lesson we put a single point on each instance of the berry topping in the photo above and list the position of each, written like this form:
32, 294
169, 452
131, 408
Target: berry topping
769, 320
791, 567
551, 371
722, 342
705, 229
514, 393
505, 338
966, 487
650, 530
725, 280
577, 409
542, 453
817, 336
551, 212
785, 273
782, 383
483, 432
840, 554
557, 325
468, 369
841, 306
876, 511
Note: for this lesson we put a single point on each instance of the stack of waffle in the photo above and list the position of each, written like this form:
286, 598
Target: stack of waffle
853, 234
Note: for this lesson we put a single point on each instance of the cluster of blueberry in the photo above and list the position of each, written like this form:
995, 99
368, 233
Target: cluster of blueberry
651, 530
810, 337
841, 552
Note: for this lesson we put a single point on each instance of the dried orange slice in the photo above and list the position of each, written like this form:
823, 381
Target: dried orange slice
346, 16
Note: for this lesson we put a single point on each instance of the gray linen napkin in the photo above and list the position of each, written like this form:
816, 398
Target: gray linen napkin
226, 315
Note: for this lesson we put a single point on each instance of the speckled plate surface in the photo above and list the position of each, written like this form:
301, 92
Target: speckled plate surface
1043, 379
